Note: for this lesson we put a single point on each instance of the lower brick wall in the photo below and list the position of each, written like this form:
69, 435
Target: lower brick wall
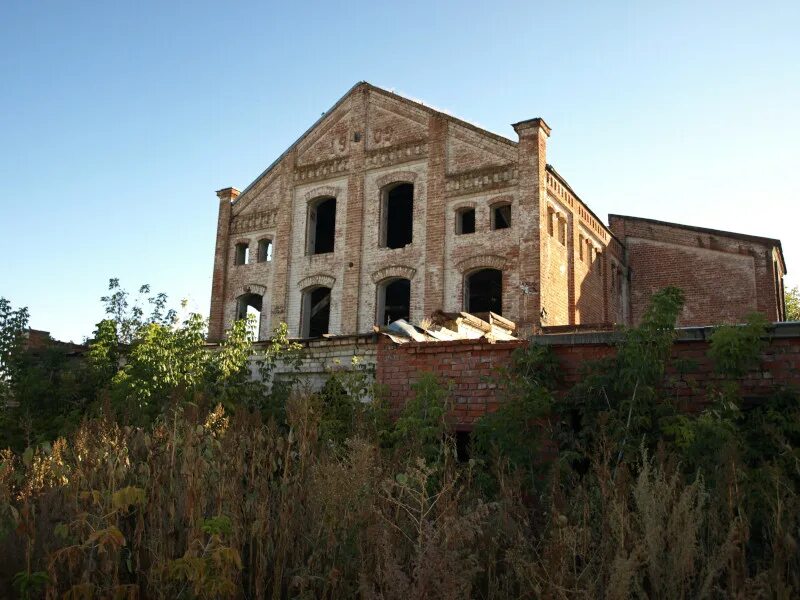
470, 366
467, 365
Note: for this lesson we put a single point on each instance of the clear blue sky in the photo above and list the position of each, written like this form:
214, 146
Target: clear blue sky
119, 120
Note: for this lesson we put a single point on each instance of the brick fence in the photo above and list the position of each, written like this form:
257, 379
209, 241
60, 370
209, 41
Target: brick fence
470, 367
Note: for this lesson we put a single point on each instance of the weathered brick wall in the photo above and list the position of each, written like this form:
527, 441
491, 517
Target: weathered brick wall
372, 138
724, 275
467, 365
470, 367
322, 357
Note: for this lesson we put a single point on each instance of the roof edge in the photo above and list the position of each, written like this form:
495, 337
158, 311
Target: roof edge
773, 242
300, 138
551, 169
380, 90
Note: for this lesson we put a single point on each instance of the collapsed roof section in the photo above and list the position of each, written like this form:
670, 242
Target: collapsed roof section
449, 326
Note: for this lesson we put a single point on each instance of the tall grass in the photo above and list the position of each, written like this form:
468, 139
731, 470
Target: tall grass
206, 504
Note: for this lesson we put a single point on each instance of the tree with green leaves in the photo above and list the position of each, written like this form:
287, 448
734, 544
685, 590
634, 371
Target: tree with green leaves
792, 297
13, 329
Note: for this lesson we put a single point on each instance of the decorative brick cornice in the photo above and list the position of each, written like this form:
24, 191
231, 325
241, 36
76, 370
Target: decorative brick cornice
393, 155
228, 194
319, 192
320, 170
485, 261
319, 280
254, 221
396, 177
481, 180
565, 196
534, 124
393, 272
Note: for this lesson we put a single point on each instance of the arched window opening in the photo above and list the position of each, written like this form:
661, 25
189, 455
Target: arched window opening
397, 222
249, 305
501, 216
394, 301
465, 221
242, 255
265, 250
483, 291
316, 312
321, 226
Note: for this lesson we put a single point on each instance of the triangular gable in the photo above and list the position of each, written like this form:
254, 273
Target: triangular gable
391, 122
329, 137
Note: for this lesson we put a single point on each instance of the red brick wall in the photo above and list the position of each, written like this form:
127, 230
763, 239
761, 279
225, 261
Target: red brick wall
468, 365
471, 365
723, 275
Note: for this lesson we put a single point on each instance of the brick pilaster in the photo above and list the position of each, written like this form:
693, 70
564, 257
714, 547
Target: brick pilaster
435, 216
351, 285
532, 159
216, 318
283, 243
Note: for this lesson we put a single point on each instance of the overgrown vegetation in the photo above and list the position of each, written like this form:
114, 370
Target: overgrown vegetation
179, 475
792, 297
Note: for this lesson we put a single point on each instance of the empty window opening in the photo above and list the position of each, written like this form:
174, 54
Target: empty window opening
316, 312
242, 254
394, 301
248, 306
321, 226
580, 247
463, 446
465, 220
484, 291
501, 216
265, 250
550, 215
397, 227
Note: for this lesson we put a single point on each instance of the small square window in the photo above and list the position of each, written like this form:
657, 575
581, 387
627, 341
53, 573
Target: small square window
242, 256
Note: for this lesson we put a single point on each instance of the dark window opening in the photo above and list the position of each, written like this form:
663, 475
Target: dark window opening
465, 221
484, 291
248, 305
322, 226
394, 301
398, 222
265, 250
316, 309
463, 446
242, 254
501, 216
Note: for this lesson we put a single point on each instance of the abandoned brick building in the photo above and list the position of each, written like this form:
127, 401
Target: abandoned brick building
387, 209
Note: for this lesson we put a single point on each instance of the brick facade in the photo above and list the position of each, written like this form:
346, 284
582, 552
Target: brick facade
560, 265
